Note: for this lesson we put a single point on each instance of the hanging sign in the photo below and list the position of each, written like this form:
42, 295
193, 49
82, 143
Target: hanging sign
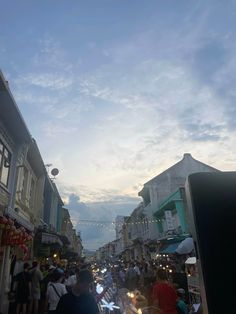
169, 220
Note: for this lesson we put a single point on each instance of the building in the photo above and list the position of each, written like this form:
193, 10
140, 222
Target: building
163, 185
21, 185
30, 204
52, 213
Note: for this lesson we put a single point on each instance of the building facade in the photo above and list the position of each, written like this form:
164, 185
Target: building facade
159, 188
30, 204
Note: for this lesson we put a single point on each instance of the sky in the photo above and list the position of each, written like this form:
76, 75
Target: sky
116, 91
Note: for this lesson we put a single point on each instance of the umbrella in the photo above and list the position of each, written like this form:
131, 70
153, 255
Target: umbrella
185, 247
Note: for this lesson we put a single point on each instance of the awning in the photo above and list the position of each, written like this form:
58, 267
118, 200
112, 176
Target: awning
23, 222
49, 238
169, 249
186, 246
191, 260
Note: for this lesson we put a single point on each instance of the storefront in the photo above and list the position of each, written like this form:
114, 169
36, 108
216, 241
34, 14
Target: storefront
16, 248
47, 247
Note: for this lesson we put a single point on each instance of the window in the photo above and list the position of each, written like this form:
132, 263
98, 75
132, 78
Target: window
5, 161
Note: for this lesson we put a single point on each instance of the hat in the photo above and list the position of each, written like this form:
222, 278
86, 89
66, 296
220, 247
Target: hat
181, 291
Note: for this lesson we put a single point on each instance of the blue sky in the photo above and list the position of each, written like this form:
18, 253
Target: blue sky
115, 91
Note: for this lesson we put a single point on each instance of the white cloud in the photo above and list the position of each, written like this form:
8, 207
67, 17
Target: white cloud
53, 81
53, 131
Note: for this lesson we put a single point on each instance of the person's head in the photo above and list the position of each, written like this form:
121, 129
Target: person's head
26, 266
84, 279
181, 293
161, 274
57, 275
34, 264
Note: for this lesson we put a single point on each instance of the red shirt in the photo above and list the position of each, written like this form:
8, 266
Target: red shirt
166, 296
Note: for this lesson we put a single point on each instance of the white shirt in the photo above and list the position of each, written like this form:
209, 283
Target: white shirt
136, 268
53, 298
72, 280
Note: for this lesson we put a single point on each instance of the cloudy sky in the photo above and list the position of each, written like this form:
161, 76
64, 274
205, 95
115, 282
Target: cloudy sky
115, 91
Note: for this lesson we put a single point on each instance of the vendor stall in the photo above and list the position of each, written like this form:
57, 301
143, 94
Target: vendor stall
193, 283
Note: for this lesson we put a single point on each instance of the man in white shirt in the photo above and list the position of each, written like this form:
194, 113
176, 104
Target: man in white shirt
136, 268
55, 291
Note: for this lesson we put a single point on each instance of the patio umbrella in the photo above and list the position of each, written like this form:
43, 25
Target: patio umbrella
185, 247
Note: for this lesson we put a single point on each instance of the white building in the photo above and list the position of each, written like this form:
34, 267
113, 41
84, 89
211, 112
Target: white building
21, 183
159, 188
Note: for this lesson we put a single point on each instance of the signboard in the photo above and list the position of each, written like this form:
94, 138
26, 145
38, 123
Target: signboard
169, 220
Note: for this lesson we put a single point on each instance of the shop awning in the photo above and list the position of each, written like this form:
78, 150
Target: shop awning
170, 249
49, 238
20, 220
186, 246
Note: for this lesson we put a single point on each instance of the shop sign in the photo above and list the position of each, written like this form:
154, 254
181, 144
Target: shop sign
169, 220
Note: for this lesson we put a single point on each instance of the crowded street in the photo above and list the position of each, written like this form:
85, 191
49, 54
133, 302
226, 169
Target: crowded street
136, 287
117, 156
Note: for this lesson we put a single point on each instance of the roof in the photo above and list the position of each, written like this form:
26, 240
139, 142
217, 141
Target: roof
187, 160
11, 115
35, 158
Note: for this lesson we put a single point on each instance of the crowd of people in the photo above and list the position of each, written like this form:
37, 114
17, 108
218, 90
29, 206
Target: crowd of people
52, 289
57, 290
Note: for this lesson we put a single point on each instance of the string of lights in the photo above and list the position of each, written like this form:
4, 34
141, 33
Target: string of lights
105, 223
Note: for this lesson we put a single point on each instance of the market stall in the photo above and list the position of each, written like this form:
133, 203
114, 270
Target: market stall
193, 283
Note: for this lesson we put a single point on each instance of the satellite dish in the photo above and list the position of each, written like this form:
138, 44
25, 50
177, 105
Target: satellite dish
54, 172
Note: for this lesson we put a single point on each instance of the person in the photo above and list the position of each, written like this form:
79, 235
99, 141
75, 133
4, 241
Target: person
79, 299
23, 289
131, 278
146, 280
108, 278
72, 279
180, 281
164, 295
138, 273
55, 291
121, 277
36, 277
47, 272
181, 305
